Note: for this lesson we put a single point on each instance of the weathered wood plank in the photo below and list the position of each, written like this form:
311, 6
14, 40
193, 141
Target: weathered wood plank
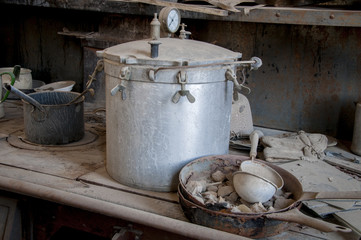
4, 211
103, 193
63, 164
324, 208
226, 4
277, 15
181, 6
101, 178
320, 176
352, 219
355, 167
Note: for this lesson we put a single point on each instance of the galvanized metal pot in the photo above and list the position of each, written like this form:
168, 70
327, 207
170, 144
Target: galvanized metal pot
167, 111
57, 122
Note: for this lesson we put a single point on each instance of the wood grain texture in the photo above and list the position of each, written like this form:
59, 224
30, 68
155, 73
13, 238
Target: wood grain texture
181, 6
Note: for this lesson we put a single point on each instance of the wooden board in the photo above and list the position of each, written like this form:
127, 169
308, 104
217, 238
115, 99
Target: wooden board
226, 4
63, 164
323, 208
352, 219
351, 166
135, 201
186, 7
320, 176
101, 178
343, 205
132, 200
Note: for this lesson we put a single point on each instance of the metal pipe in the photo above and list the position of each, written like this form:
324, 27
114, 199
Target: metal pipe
254, 63
25, 97
114, 210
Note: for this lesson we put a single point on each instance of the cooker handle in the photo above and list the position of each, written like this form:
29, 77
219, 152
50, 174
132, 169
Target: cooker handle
294, 215
237, 87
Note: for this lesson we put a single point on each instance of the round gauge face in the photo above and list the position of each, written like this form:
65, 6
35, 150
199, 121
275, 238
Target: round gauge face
170, 19
173, 20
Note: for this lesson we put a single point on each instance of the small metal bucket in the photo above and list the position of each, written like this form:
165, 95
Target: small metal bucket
58, 122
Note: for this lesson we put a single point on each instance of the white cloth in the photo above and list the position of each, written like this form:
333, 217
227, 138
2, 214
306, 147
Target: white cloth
295, 146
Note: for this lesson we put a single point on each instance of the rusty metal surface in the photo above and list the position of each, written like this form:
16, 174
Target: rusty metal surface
254, 225
204, 165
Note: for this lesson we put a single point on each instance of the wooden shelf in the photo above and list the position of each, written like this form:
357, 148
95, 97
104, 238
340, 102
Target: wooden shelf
302, 16
323, 16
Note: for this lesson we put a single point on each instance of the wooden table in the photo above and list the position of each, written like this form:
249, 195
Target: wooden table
69, 186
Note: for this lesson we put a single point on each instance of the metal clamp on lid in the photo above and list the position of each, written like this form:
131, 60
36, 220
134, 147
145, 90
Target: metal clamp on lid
182, 79
124, 75
253, 64
118, 88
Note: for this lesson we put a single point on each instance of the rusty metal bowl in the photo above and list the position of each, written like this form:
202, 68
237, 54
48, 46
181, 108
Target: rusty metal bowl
255, 225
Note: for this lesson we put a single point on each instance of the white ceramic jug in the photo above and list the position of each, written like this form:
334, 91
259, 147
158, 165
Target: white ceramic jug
25, 80
2, 99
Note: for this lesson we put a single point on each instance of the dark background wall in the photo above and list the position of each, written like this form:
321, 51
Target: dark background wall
310, 78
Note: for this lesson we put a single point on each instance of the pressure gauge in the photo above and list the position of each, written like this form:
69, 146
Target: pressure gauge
170, 19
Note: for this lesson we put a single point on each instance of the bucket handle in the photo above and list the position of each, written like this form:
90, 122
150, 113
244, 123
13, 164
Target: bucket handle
90, 90
98, 68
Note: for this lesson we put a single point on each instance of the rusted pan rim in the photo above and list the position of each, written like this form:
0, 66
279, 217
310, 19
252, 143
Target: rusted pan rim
291, 183
247, 224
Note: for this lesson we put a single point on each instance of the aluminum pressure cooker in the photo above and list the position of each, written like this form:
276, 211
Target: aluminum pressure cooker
168, 102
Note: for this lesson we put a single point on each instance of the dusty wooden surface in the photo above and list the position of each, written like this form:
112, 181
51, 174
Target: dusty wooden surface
101, 178
319, 176
82, 172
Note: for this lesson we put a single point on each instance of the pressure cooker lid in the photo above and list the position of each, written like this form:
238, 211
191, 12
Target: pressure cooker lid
172, 52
